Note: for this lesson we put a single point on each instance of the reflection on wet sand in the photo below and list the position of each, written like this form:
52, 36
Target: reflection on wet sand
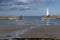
30, 31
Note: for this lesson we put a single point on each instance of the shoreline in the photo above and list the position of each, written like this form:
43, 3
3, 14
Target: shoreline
34, 31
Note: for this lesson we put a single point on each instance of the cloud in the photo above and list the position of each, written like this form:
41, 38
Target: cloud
20, 4
25, 1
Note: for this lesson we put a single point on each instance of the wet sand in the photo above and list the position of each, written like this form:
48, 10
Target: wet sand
11, 28
44, 32
34, 31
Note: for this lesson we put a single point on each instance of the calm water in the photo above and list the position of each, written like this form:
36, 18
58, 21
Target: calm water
34, 20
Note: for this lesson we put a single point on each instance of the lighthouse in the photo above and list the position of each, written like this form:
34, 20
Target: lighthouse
47, 12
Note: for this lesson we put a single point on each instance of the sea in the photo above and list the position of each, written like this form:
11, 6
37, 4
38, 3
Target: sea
27, 20
31, 20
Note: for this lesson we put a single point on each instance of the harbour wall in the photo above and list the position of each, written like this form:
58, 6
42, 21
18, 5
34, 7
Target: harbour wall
50, 17
10, 17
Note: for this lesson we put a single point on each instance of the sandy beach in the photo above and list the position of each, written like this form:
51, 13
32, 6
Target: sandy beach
44, 32
33, 31
11, 28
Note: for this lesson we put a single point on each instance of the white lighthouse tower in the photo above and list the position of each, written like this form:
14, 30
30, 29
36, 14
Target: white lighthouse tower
47, 12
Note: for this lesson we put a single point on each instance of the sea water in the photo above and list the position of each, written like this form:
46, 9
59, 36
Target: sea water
33, 20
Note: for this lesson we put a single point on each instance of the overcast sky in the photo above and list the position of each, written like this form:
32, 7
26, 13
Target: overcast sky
29, 7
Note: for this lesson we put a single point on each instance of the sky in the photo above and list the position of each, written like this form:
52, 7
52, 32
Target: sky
29, 7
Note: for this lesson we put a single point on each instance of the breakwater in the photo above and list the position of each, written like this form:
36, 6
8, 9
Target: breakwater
50, 17
10, 17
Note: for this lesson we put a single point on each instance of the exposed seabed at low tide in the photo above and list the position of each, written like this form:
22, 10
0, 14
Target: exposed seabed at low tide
31, 31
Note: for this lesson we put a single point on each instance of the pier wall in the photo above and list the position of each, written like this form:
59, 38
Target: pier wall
10, 17
50, 17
